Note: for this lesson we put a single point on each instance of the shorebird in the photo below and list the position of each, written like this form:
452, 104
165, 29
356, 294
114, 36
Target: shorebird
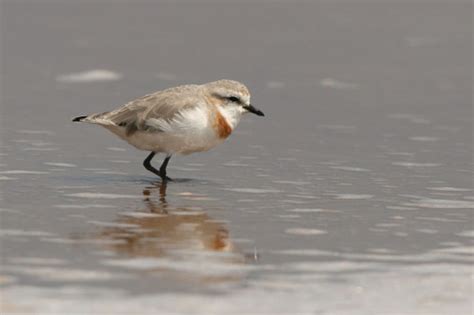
179, 120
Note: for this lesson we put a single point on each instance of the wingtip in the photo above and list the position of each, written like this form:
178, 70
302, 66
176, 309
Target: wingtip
79, 118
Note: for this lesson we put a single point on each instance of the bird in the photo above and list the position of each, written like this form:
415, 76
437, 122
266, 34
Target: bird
180, 120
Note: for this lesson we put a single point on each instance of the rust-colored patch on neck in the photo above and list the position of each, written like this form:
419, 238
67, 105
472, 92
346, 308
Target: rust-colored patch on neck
221, 126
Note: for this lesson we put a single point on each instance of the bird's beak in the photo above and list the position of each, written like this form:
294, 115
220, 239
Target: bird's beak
253, 110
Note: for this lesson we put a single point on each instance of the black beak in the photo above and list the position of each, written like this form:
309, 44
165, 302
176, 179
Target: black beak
253, 110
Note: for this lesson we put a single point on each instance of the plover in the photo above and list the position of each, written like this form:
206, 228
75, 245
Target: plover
179, 120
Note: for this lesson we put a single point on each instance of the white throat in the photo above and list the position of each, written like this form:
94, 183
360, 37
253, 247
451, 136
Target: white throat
232, 114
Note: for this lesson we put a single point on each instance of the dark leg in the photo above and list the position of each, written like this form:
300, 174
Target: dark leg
163, 168
148, 166
162, 171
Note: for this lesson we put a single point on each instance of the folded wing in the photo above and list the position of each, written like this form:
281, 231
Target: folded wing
161, 106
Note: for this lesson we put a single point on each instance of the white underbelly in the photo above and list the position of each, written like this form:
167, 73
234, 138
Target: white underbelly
183, 143
191, 131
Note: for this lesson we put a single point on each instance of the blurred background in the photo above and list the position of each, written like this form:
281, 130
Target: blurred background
352, 196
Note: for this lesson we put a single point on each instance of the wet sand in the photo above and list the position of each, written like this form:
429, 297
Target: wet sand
352, 196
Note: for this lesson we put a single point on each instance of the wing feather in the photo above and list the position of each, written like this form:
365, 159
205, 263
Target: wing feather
162, 105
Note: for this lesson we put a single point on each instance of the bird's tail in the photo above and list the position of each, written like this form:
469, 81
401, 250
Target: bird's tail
79, 118
99, 118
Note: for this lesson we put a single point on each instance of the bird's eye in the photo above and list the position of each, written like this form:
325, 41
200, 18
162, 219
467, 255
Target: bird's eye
233, 99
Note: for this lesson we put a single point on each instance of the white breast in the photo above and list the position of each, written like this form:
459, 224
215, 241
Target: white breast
190, 131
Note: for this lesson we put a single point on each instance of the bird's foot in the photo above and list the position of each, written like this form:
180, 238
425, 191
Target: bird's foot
165, 178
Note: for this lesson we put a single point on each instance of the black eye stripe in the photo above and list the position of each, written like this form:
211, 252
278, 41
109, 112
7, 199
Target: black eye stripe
233, 99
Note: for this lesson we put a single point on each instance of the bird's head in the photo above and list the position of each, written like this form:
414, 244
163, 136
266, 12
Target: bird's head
232, 96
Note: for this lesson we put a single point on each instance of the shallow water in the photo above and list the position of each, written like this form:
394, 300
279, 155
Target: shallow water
352, 196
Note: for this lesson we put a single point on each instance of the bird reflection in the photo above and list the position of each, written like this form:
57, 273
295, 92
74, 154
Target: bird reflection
176, 234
